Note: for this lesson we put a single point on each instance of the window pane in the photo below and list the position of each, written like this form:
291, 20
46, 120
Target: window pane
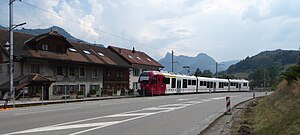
82, 72
173, 84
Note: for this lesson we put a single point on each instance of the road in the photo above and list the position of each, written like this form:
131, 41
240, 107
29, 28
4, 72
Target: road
161, 115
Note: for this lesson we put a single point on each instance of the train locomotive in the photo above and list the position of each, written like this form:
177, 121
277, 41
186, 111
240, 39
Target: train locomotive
162, 83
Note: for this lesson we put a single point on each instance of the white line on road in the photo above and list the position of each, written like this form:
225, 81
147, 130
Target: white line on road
184, 99
136, 114
71, 108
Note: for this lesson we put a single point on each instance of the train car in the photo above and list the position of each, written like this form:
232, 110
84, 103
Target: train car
161, 83
151, 83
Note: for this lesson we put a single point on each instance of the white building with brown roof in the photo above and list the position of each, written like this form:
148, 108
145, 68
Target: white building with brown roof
139, 62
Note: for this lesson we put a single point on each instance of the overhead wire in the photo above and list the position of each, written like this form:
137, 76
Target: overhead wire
100, 30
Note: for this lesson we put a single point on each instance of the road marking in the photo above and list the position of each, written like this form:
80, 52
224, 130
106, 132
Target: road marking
55, 128
136, 114
71, 108
184, 99
217, 98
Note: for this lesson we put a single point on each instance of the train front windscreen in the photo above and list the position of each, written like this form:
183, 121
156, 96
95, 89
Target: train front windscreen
144, 77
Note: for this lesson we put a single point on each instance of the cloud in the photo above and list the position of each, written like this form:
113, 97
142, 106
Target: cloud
225, 30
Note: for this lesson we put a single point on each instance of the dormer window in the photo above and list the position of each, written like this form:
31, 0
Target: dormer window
138, 58
130, 56
101, 54
45, 47
148, 59
72, 50
86, 52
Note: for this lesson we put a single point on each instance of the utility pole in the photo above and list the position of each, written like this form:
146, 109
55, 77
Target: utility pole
11, 56
172, 62
11, 52
216, 69
264, 79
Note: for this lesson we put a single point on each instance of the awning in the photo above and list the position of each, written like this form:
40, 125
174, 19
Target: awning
28, 80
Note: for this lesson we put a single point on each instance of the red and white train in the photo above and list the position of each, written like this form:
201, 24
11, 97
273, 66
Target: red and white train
160, 83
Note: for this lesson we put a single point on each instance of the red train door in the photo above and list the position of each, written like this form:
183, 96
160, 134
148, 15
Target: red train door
158, 88
161, 87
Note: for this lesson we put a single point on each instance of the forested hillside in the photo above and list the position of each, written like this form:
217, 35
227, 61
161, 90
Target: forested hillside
278, 59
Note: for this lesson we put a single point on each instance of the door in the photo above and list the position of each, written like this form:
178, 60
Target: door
178, 86
153, 87
215, 86
46, 92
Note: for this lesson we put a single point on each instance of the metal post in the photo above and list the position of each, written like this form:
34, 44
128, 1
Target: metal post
228, 108
172, 62
11, 62
216, 70
43, 95
65, 93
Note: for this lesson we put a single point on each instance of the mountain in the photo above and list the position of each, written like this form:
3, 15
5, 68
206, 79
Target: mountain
201, 61
277, 58
2, 28
226, 64
42, 31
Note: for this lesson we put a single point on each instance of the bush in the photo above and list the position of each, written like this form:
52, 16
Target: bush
291, 74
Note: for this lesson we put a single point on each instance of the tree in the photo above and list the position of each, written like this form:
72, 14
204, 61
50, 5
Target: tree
198, 72
207, 73
228, 76
292, 74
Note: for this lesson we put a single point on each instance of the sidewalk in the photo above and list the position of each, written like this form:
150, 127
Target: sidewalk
19, 103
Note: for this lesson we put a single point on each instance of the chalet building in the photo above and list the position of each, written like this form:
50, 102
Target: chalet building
50, 67
139, 62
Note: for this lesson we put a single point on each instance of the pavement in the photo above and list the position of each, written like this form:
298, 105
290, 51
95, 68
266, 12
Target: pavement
24, 103
160, 115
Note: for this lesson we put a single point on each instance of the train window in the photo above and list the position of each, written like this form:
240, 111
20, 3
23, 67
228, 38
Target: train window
193, 82
154, 80
209, 84
166, 80
231, 84
184, 83
204, 84
189, 82
173, 83
201, 83
245, 84
220, 84
215, 84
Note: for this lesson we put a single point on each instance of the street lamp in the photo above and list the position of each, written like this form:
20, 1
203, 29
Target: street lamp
217, 64
11, 56
187, 68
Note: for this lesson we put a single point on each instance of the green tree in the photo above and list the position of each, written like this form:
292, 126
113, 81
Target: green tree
292, 74
198, 72
207, 73
228, 76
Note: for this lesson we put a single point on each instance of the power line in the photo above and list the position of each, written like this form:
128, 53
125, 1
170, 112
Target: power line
100, 30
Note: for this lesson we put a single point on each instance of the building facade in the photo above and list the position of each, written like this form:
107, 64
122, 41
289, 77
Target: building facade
48, 66
139, 62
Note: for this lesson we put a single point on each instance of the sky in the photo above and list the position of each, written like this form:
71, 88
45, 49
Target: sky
223, 29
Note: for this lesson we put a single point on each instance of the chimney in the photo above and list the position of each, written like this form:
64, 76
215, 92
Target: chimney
54, 31
133, 50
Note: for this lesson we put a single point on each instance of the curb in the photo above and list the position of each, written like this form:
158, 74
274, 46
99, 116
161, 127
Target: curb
62, 101
211, 124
